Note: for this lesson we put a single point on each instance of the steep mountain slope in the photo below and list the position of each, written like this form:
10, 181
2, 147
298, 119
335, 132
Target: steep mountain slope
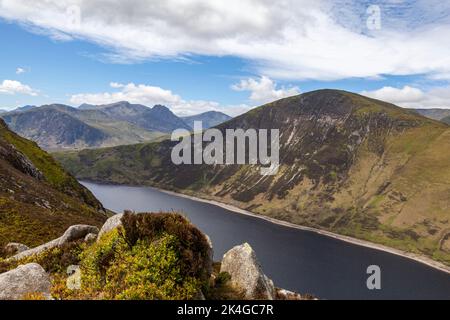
209, 119
349, 164
158, 118
38, 199
58, 126
435, 114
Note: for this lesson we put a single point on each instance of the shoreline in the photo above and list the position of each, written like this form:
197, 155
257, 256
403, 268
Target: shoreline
362, 243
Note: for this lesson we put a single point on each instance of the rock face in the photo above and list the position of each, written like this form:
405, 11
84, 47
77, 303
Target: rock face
72, 234
26, 279
19, 161
246, 273
15, 248
111, 224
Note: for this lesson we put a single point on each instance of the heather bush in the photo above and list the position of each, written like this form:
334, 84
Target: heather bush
192, 245
153, 256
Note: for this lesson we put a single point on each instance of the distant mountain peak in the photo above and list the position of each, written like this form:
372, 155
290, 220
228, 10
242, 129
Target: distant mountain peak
160, 107
209, 119
25, 108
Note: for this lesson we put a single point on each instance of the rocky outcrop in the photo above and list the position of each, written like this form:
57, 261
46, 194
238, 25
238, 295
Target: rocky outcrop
111, 224
72, 234
15, 248
77, 232
25, 280
19, 161
246, 273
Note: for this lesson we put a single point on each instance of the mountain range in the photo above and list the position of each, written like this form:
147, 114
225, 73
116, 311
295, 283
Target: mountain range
348, 164
57, 127
38, 199
435, 114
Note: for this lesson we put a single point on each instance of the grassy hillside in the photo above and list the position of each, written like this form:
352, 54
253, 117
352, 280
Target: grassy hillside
38, 198
349, 164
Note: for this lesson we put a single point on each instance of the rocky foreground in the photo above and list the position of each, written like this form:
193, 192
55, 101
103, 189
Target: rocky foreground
135, 256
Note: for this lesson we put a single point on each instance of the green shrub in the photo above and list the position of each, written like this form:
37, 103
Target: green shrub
148, 270
193, 246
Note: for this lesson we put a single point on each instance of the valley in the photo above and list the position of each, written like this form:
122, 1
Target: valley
348, 164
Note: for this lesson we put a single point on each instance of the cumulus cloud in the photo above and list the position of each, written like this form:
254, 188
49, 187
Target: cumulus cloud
264, 90
293, 39
16, 87
20, 70
410, 97
152, 95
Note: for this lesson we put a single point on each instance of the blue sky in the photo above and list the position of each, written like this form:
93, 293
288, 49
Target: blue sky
226, 58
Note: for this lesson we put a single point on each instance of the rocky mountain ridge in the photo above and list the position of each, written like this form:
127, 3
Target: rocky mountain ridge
59, 127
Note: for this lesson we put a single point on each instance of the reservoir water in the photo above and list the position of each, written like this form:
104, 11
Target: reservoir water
297, 260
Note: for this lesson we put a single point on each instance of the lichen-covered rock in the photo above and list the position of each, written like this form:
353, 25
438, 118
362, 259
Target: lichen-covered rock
77, 232
246, 273
91, 237
110, 224
15, 248
24, 280
73, 233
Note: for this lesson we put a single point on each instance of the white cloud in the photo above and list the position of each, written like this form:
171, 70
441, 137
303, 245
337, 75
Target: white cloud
16, 87
410, 97
264, 90
20, 70
152, 95
404, 95
294, 39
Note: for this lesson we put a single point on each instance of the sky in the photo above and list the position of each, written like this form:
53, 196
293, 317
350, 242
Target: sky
199, 55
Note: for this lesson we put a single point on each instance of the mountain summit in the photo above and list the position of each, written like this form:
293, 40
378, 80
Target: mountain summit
209, 119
